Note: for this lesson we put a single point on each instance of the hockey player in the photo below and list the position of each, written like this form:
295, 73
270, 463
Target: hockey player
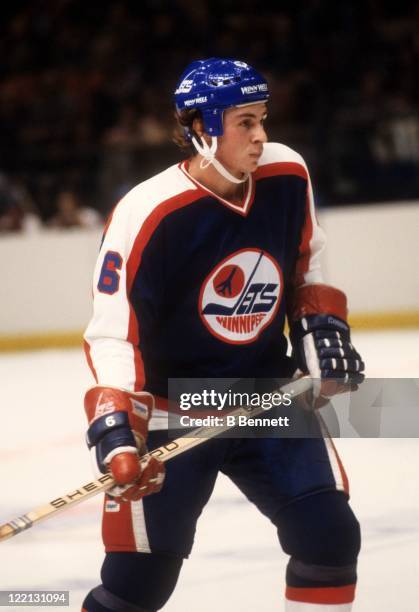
198, 269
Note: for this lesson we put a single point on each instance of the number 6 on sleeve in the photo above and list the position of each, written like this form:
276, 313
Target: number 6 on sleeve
109, 275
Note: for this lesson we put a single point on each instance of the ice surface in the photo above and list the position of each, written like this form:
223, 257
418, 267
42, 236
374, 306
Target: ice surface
236, 564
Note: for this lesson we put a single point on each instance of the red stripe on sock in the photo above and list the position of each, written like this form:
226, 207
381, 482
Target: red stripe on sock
323, 595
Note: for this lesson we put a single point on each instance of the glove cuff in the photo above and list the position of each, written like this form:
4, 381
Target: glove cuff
101, 401
317, 299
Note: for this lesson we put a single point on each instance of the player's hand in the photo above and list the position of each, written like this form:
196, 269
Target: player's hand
135, 478
323, 349
116, 437
321, 340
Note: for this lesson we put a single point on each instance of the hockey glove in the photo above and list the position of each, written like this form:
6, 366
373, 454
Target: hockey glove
118, 427
320, 337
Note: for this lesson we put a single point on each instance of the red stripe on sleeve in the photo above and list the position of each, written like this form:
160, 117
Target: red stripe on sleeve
86, 347
134, 262
303, 261
322, 595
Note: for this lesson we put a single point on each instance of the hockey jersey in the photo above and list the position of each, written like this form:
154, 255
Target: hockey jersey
190, 285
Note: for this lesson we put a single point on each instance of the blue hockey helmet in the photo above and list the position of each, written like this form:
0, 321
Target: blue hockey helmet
214, 84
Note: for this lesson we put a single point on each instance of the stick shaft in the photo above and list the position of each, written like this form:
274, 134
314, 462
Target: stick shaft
163, 453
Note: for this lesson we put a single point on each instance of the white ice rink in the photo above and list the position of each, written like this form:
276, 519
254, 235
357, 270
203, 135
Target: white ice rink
236, 564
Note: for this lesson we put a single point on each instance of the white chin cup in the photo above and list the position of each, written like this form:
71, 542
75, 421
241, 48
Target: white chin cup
208, 155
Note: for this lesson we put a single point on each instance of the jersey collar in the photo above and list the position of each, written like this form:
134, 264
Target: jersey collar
242, 208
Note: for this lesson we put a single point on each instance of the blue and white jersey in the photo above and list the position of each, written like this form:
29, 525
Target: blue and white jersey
188, 284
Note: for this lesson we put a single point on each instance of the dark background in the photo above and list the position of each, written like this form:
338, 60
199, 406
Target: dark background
85, 92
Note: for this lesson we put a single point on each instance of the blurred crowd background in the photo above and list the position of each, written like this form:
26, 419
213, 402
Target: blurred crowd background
86, 109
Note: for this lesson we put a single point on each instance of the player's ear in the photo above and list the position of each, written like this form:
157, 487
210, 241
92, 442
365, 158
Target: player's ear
198, 127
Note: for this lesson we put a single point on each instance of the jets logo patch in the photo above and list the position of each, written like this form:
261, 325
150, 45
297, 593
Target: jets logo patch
241, 295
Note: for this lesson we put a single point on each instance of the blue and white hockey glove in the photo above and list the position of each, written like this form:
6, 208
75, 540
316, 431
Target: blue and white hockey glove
321, 340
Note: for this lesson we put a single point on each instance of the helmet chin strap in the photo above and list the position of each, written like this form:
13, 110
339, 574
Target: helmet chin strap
208, 157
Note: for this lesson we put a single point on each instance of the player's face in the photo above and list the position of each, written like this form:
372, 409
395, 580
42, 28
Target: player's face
241, 145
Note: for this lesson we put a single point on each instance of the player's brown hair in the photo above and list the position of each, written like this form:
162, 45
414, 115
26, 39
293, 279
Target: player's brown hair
184, 119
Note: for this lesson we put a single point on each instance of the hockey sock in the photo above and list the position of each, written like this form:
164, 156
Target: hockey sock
101, 600
321, 535
315, 587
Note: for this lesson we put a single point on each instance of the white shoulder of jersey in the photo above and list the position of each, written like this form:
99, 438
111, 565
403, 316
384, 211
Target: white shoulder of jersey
144, 197
275, 152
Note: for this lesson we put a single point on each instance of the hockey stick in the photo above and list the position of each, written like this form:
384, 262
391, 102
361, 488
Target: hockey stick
163, 453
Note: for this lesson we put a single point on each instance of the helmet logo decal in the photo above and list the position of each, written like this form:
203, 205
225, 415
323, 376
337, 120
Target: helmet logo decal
194, 101
185, 86
241, 295
254, 88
